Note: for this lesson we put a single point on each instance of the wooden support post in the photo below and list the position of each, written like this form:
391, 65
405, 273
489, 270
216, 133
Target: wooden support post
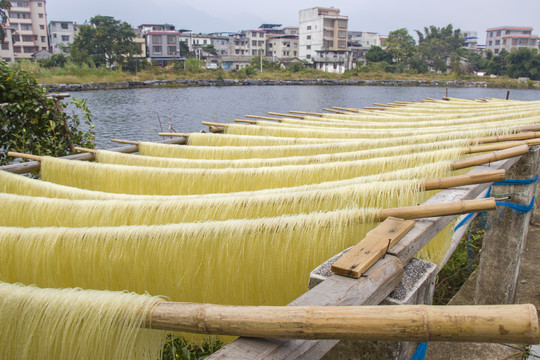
505, 240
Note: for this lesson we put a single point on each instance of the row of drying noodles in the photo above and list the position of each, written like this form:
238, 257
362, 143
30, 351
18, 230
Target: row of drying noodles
237, 218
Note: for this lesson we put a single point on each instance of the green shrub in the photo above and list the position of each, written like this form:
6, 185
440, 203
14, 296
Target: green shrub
31, 122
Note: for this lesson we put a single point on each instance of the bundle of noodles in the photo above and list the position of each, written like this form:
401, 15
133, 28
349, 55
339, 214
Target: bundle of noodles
27, 211
371, 142
248, 140
513, 118
360, 134
461, 138
76, 324
226, 262
170, 181
17, 184
333, 155
429, 129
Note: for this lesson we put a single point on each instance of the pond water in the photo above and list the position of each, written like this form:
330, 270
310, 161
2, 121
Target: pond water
136, 114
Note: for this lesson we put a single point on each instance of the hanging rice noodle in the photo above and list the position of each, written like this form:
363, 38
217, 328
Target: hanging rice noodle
167, 181
76, 324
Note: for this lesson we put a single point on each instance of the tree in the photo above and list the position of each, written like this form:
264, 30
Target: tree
184, 49
210, 49
400, 44
32, 122
498, 64
377, 54
438, 44
523, 62
4, 7
106, 42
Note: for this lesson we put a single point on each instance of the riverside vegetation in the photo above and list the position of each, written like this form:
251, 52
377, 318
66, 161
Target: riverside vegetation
67, 72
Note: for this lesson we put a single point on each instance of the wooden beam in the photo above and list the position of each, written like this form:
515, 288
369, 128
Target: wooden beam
439, 209
466, 179
306, 113
264, 117
371, 248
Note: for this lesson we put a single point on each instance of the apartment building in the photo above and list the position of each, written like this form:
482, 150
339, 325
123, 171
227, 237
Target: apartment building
162, 42
282, 47
238, 45
61, 35
323, 39
221, 44
6, 46
256, 41
471, 40
364, 39
27, 21
510, 38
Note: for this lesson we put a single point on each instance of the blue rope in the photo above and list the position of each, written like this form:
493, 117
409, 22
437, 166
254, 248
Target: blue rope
420, 353
523, 209
517, 181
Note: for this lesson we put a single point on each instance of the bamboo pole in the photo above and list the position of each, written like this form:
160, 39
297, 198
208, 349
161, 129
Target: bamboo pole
511, 137
443, 209
285, 115
336, 111
125, 142
501, 146
346, 109
92, 151
306, 113
253, 122
462, 180
490, 157
374, 108
490, 323
24, 156
173, 134
264, 117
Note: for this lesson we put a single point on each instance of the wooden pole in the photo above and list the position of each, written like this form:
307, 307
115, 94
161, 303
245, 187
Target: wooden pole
500, 146
336, 111
92, 151
507, 94
253, 122
443, 209
491, 323
511, 137
491, 157
24, 156
346, 109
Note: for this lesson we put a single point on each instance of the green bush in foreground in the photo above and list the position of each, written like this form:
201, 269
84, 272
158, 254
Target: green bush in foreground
31, 122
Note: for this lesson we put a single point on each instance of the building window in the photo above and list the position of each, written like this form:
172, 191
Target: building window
41, 27
29, 49
27, 38
54, 36
43, 39
328, 33
499, 33
204, 42
342, 44
490, 42
253, 34
342, 24
253, 42
171, 39
40, 16
308, 47
533, 42
308, 56
507, 32
254, 52
491, 34
261, 34
309, 27
5, 46
514, 42
65, 37
309, 37
26, 27
157, 49
497, 42
329, 22
19, 3
342, 34
496, 51
171, 50
156, 39
40, 4
64, 26
260, 43
17, 49
15, 38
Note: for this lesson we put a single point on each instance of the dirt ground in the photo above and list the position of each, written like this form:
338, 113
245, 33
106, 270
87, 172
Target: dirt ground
528, 291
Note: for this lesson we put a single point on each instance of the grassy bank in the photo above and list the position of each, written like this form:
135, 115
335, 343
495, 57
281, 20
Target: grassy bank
83, 74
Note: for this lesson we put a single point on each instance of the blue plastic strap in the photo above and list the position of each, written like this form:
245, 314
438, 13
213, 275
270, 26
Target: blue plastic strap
517, 181
420, 353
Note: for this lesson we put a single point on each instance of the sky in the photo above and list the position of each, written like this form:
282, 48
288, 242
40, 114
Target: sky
382, 16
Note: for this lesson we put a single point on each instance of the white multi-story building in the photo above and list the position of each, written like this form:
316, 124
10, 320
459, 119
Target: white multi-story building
510, 38
28, 23
256, 42
61, 35
282, 46
364, 38
162, 42
323, 39
471, 40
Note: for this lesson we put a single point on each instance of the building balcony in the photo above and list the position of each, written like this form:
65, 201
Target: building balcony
328, 59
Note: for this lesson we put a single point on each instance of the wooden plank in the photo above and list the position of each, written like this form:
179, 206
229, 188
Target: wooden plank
379, 281
371, 248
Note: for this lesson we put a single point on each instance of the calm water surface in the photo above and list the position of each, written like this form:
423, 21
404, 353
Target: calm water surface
136, 114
